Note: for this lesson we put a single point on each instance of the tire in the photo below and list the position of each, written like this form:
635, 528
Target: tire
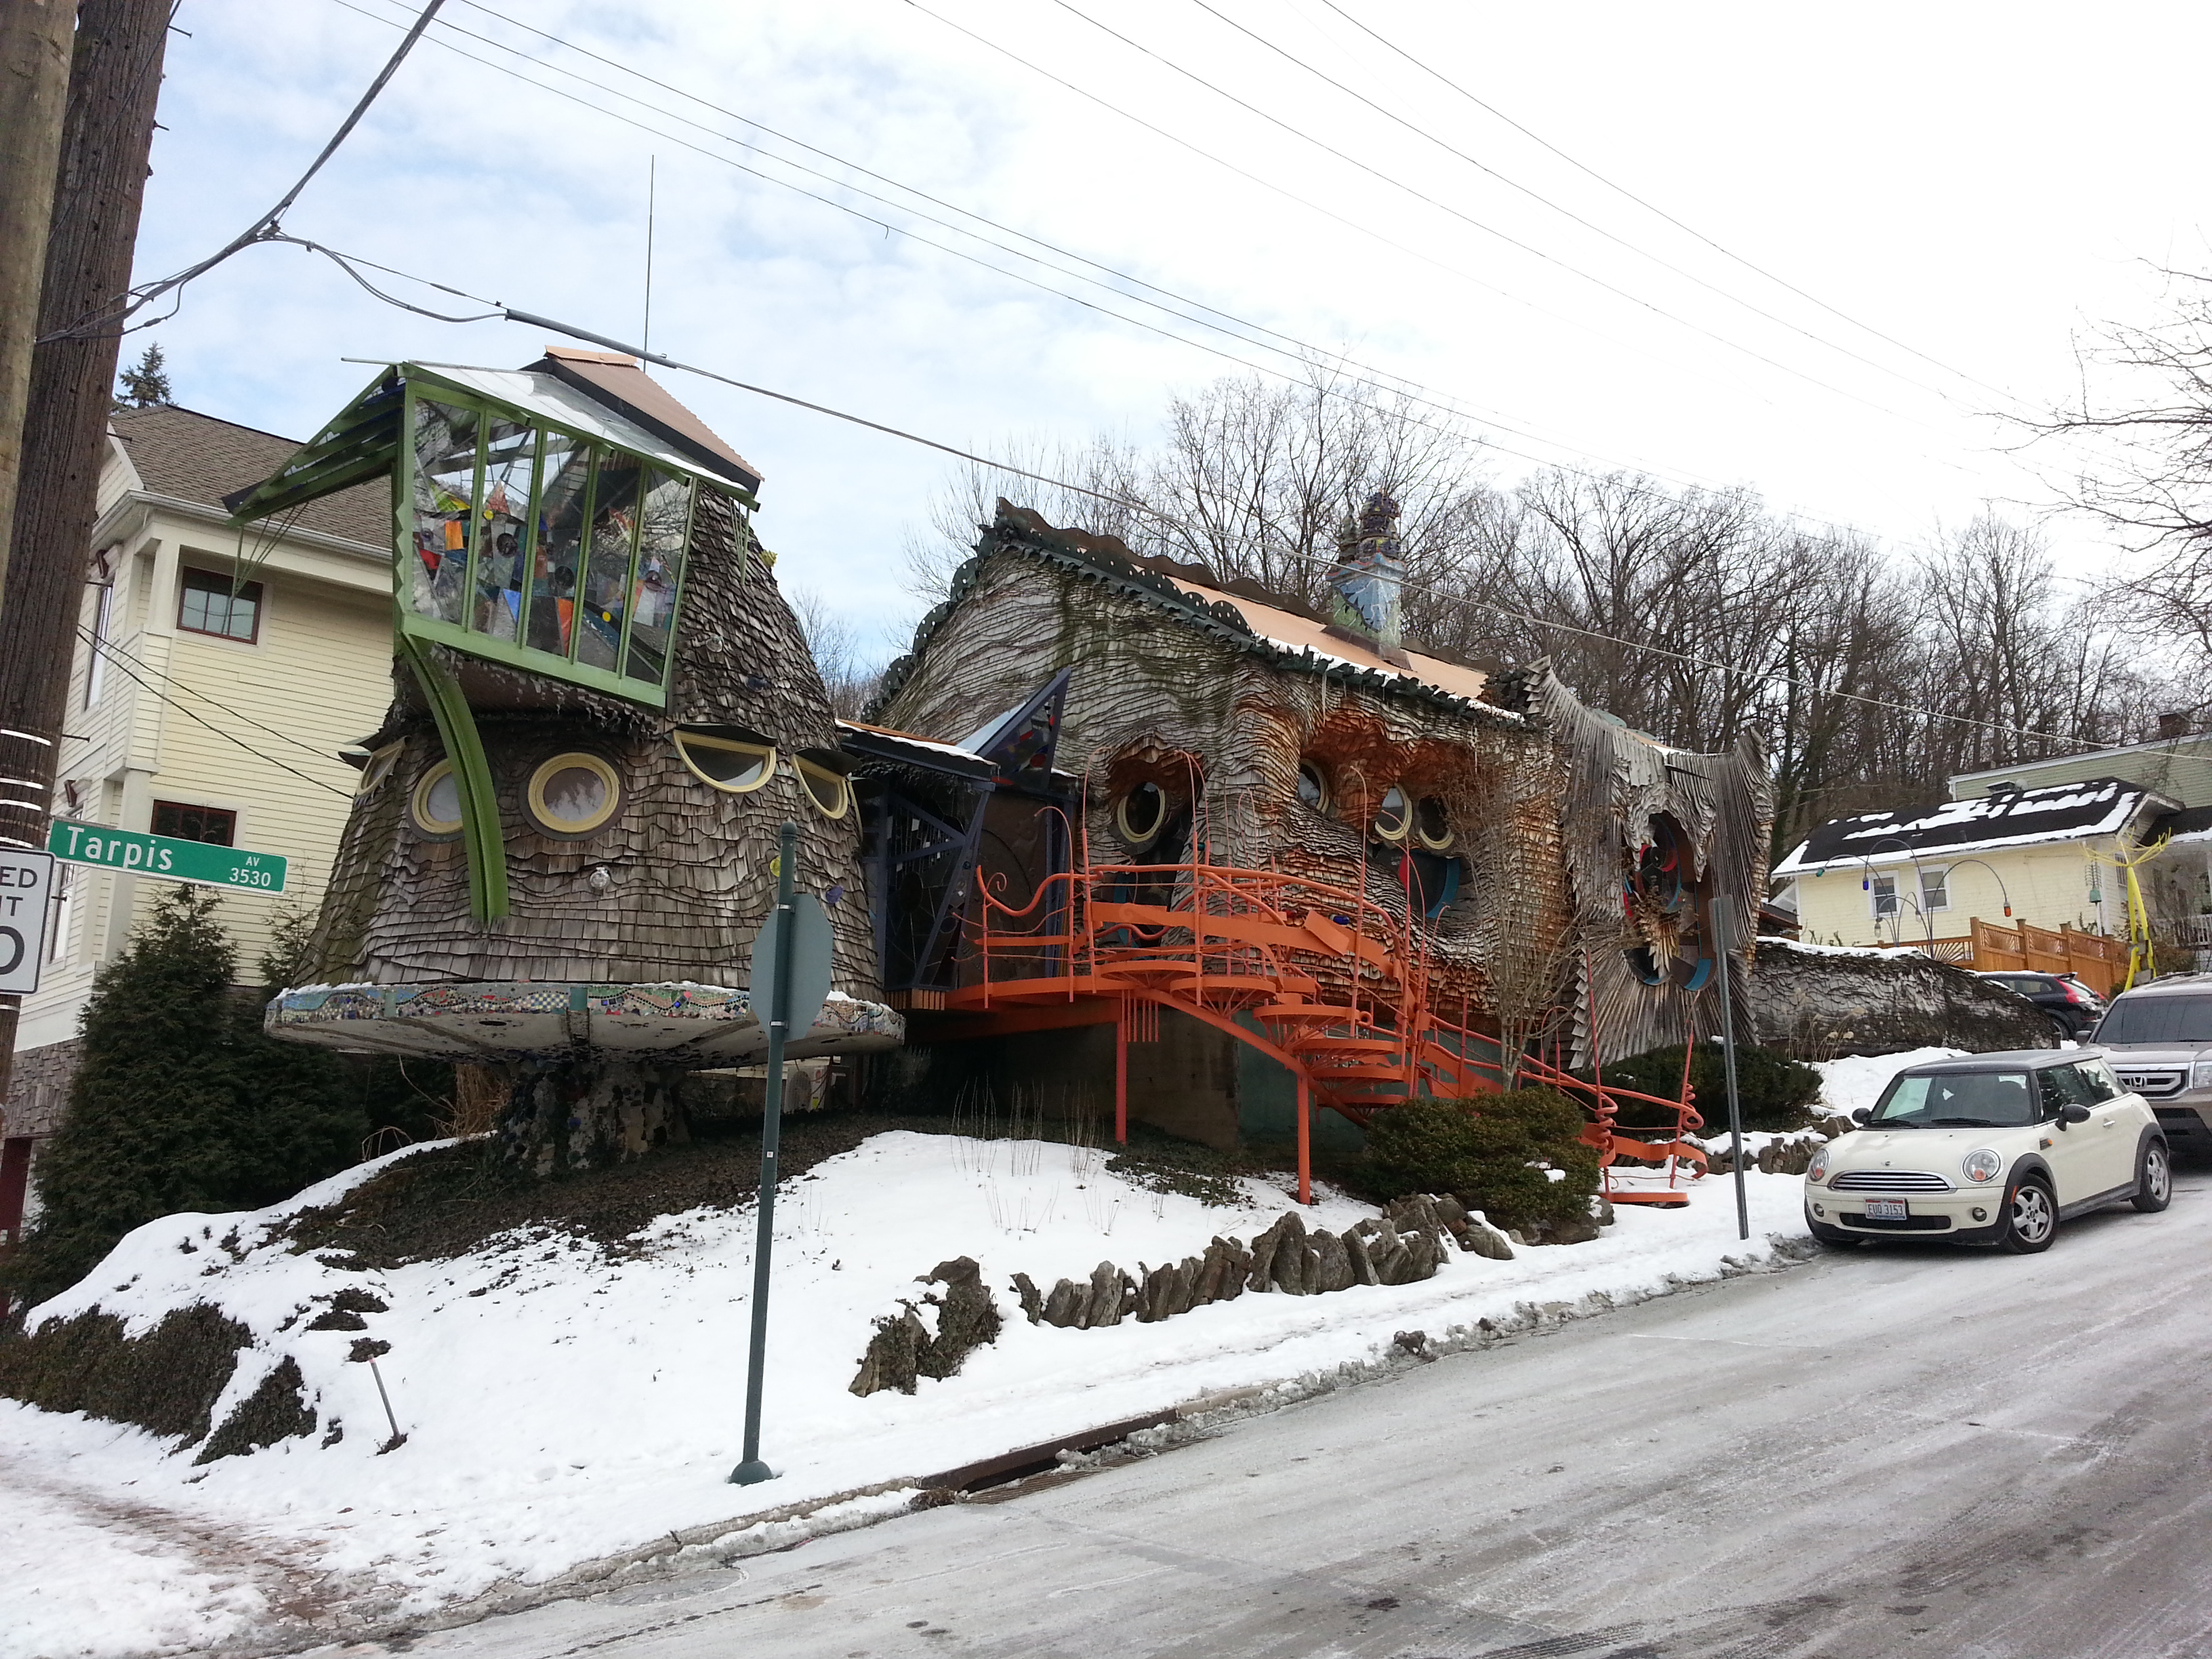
2065, 1028
2031, 1219
2153, 1179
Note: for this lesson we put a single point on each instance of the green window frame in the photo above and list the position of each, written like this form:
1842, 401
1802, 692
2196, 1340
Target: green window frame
608, 586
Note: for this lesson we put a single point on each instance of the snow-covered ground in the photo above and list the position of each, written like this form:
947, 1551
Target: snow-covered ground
560, 1406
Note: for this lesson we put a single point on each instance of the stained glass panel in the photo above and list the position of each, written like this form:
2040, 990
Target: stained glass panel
567, 474
606, 608
445, 476
666, 532
509, 454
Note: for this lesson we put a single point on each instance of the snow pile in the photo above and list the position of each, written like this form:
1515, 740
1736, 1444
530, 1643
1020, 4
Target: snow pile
1847, 1084
1809, 948
561, 1403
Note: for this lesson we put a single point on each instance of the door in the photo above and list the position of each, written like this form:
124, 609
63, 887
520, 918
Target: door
2115, 1124
2077, 1155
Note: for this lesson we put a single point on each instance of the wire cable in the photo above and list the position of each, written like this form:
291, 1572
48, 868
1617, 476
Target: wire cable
1294, 347
134, 300
1395, 384
113, 651
1529, 248
1653, 207
114, 655
1511, 183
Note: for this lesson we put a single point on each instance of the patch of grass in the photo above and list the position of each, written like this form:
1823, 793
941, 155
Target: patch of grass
278, 1410
166, 1382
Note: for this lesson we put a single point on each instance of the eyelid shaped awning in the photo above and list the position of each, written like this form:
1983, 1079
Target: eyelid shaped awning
362, 441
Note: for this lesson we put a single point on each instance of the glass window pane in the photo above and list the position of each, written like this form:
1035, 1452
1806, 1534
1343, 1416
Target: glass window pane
509, 450
606, 574
445, 488
560, 542
666, 531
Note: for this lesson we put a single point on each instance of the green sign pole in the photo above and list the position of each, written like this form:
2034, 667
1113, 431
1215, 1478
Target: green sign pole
165, 857
754, 1469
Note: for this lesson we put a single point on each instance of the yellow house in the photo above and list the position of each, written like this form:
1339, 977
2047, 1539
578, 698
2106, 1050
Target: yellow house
203, 705
2042, 862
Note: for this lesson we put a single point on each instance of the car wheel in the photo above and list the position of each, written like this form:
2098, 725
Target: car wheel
2063, 1026
2031, 1219
2154, 1179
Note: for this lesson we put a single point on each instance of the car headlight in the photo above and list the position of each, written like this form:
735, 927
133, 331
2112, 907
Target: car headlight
2200, 1075
1817, 1171
1982, 1165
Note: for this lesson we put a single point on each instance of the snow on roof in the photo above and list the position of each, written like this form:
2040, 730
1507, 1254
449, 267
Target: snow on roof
953, 748
2101, 807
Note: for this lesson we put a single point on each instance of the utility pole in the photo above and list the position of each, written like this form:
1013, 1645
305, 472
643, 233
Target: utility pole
99, 184
34, 77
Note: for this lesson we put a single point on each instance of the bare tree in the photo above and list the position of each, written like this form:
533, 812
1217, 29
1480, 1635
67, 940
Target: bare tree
2150, 472
850, 678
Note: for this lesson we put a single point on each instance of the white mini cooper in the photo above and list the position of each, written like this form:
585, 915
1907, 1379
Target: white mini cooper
1991, 1149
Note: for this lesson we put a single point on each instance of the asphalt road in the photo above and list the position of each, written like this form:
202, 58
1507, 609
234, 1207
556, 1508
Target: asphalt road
1889, 1452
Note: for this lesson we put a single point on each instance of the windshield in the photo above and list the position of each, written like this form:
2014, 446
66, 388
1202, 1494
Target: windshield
1957, 1100
2158, 1019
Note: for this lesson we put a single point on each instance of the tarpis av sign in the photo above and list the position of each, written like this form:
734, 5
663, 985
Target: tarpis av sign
26, 887
165, 857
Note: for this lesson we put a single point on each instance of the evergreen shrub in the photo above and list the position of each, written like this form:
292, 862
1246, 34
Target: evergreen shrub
1494, 1153
179, 1102
1772, 1091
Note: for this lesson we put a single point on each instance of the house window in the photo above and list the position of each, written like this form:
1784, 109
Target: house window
1884, 889
216, 604
1935, 889
207, 824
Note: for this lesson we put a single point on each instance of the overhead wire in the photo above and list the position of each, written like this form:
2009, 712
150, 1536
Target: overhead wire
133, 300
1395, 384
1143, 509
1511, 240
1648, 206
1298, 349
1534, 194
116, 656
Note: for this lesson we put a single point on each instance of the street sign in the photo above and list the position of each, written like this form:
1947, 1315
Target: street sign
26, 887
165, 857
810, 966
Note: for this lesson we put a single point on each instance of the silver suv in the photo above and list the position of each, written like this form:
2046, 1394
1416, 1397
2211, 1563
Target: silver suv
2159, 1039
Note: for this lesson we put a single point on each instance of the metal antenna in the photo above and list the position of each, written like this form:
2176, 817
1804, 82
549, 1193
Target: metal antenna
651, 168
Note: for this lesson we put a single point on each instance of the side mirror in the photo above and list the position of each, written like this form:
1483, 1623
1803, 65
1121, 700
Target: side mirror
1863, 1116
2072, 1114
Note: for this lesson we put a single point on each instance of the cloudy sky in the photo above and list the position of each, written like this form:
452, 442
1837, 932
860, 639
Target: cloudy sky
1812, 251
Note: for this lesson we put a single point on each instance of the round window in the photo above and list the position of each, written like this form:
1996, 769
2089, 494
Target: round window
573, 795
1433, 824
725, 763
435, 805
1141, 813
1313, 788
1394, 817
827, 791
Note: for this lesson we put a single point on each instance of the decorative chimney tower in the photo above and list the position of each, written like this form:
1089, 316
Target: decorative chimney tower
1370, 574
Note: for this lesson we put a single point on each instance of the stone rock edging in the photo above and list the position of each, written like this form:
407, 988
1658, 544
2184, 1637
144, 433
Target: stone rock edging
1404, 1246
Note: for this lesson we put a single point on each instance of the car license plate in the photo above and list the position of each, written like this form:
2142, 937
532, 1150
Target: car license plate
1886, 1209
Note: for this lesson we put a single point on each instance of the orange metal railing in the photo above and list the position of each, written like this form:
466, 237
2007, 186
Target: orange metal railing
1334, 986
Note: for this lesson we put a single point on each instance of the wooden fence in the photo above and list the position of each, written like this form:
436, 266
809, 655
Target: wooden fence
2099, 963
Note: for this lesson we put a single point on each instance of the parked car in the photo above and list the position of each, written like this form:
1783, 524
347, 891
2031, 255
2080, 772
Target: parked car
2159, 1038
1989, 1149
2071, 1006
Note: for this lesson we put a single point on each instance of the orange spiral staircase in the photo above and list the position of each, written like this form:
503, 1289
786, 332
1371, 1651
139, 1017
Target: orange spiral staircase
1322, 979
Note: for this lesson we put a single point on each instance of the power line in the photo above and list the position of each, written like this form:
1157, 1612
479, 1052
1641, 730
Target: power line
1763, 677
1512, 241
1396, 386
1304, 350
1653, 207
112, 650
116, 656
135, 300
1536, 195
